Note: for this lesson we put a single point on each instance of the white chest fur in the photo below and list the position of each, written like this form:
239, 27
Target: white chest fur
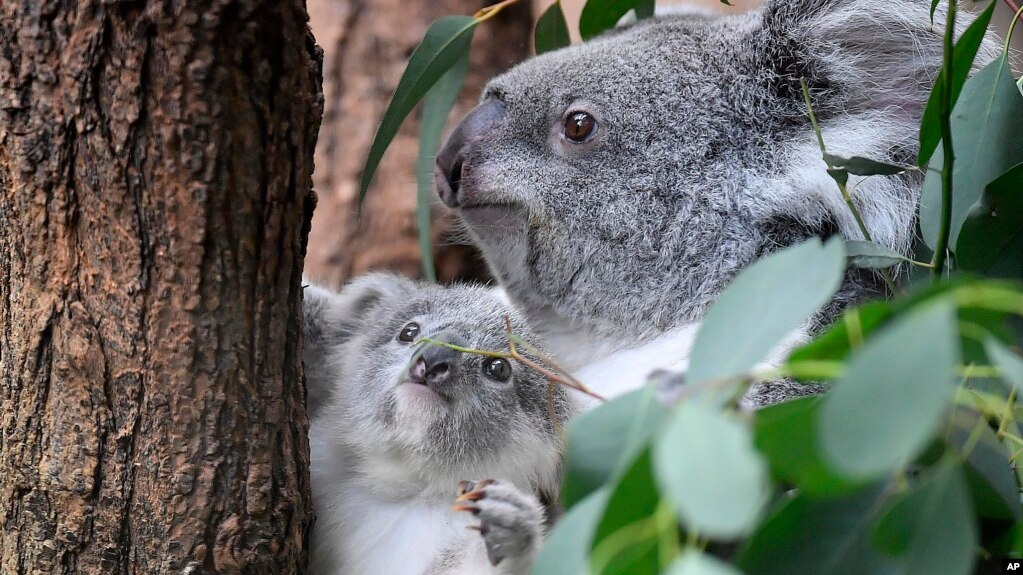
611, 372
360, 533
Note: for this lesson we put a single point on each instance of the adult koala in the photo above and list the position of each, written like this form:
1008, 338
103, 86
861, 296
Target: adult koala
616, 187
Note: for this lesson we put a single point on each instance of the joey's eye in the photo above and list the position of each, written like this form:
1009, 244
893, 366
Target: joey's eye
497, 368
580, 127
409, 333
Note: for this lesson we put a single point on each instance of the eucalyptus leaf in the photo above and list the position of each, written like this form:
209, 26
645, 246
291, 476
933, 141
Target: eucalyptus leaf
993, 224
931, 528
786, 433
765, 303
696, 563
987, 136
864, 254
446, 41
860, 166
632, 499
567, 548
963, 56
840, 176
989, 474
604, 439
551, 30
1010, 364
437, 105
705, 463
846, 334
894, 394
822, 537
600, 15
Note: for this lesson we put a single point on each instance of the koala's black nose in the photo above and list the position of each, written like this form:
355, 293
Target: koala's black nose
437, 364
451, 166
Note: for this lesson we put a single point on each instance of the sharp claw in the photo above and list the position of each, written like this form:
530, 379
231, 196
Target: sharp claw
464, 487
465, 507
471, 496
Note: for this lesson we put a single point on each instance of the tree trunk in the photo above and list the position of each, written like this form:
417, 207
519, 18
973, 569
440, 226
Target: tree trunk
155, 173
366, 46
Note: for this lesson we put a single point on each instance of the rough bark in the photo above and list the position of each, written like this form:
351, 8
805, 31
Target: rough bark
155, 173
366, 45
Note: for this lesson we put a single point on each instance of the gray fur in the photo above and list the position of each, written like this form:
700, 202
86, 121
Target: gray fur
375, 438
704, 159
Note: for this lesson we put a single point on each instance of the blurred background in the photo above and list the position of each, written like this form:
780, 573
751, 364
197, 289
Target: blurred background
366, 44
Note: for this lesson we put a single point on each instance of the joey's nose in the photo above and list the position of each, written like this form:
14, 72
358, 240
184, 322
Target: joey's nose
451, 168
437, 363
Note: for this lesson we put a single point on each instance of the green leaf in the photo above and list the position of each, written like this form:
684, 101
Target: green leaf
1010, 364
840, 176
828, 537
765, 303
870, 255
705, 463
551, 30
618, 547
856, 324
604, 439
987, 136
862, 166
600, 15
989, 474
786, 433
696, 563
992, 224
445, 42
844, 335
567, 548
931, 528
963, 56
436, 106
894, 394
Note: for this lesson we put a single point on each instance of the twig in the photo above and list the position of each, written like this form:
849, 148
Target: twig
564, 378
945, 120
1015, 9
488, 12
842, 187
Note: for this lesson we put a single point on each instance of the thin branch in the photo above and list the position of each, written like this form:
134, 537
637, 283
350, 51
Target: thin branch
559, 375
842, 187
945, 120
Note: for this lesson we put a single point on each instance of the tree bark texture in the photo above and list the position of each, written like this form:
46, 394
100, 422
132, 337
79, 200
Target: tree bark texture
155, 176
366, 45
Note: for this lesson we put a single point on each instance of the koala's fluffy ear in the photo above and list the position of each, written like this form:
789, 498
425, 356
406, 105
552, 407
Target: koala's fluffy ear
864, 54
332, 318
869, 67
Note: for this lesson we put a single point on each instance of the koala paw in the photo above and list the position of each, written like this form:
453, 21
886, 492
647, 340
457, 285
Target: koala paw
511, 522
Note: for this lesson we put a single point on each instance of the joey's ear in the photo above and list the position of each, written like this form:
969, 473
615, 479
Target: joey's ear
332, 318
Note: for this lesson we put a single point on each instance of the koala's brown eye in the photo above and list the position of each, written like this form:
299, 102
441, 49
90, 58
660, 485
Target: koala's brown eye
580, 127
497, 368
409, 333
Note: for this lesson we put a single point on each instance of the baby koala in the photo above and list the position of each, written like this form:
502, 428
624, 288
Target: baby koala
400, 427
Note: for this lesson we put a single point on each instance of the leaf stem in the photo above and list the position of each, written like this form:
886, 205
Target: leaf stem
557, 375
842, 187
1017, 10
488, 12
945, 120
